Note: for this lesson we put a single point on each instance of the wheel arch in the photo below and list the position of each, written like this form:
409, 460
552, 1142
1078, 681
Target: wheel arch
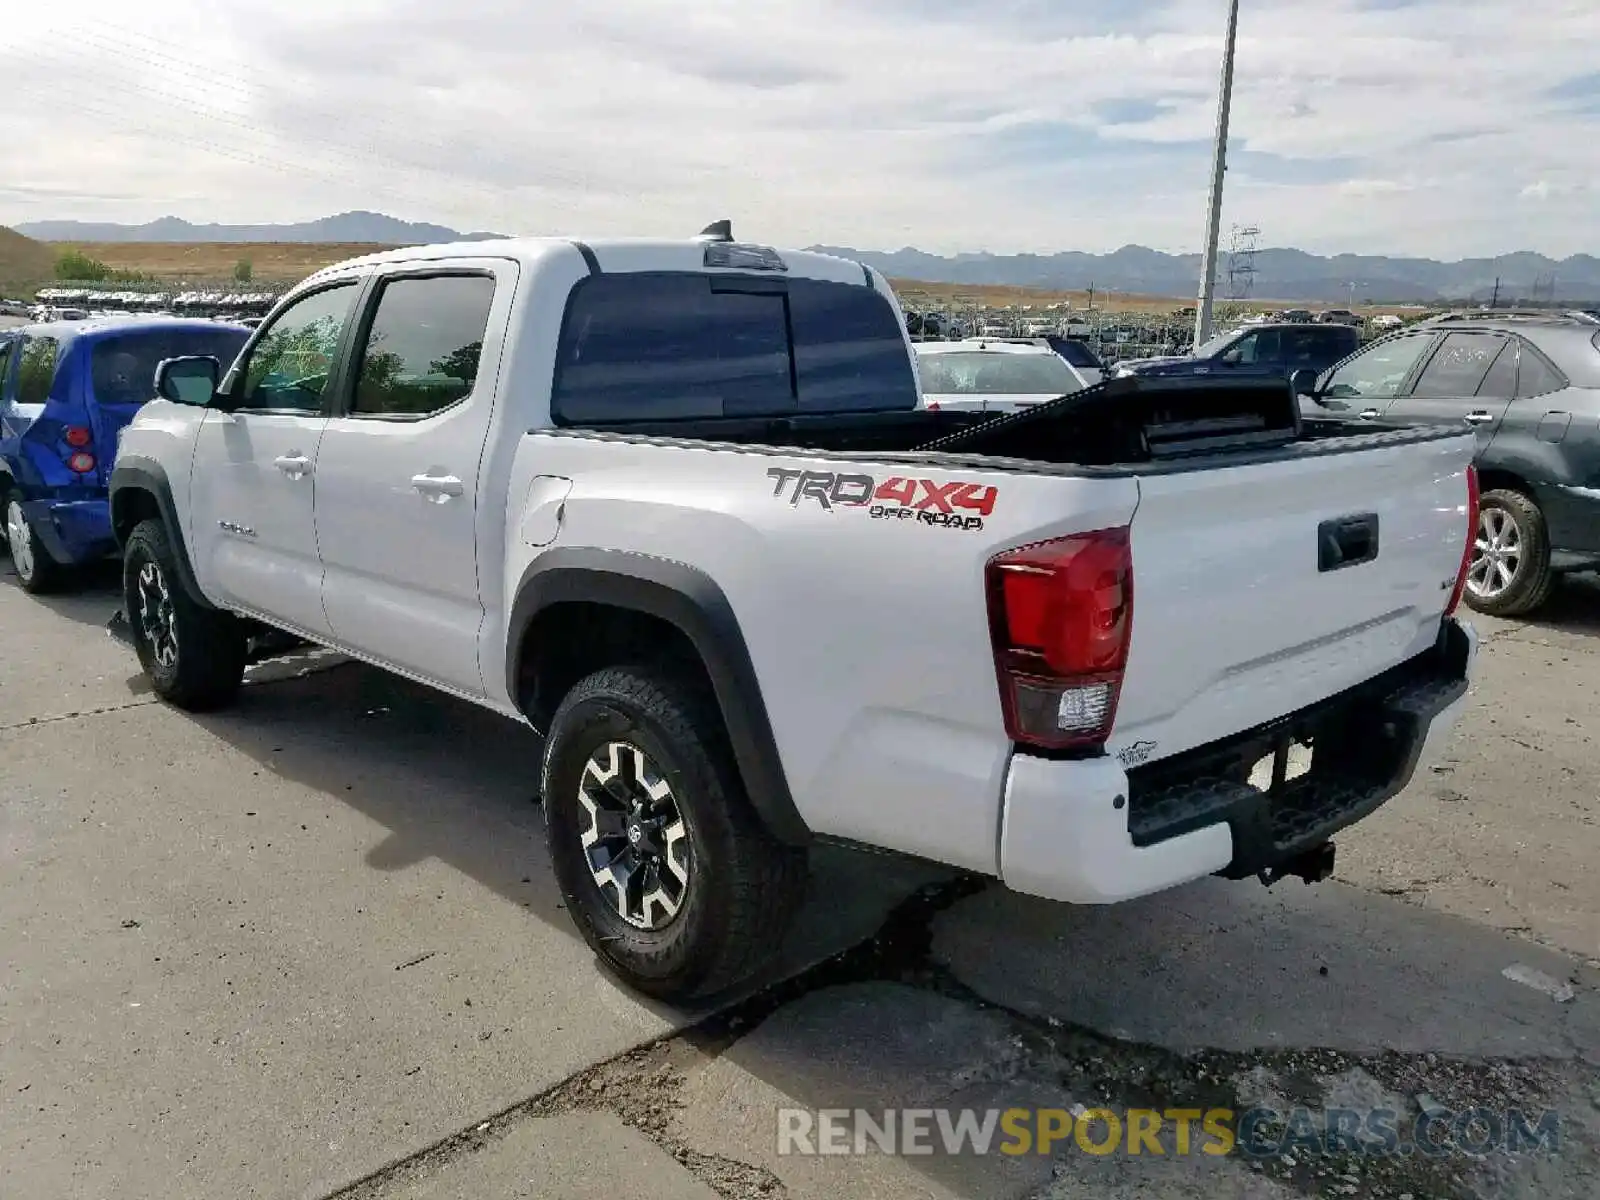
1499, 479
614, 599
140, 491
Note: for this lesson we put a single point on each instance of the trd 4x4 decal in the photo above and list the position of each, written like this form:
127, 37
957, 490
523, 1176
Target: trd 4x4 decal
952, 505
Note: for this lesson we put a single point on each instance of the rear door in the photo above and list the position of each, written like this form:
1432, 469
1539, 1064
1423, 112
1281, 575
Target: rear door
1467, 383
398, 470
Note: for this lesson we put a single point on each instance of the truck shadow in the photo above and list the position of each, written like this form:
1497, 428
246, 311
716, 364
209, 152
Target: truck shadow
1213, 995
456, 783
1573, 608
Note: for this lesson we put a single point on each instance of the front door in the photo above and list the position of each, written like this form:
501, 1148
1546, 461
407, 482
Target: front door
398, 509
251, 493
1362, 387
1467, 384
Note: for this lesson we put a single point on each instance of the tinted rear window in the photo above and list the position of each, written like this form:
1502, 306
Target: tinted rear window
987, 373
123, 368
671, 346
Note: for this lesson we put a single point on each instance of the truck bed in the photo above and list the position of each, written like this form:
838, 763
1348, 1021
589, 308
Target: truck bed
867, 542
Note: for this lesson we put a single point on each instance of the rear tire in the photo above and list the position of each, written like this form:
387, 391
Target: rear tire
1510, 573
670, 875
36, 570
194, 656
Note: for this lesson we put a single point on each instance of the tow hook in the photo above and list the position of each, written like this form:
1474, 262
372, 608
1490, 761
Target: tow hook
1312, 865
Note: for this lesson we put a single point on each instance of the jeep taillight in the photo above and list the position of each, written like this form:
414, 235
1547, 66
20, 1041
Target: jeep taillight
77, 436
1060, 616
1472, 539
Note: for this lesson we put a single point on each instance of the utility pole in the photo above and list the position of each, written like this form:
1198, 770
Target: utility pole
1219, 165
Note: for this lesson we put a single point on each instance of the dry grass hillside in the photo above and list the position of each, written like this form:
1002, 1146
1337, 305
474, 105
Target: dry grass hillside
24, 263
194, 262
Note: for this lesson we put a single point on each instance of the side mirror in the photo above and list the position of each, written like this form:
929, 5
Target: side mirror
1304, 382
190, 380
1233, 357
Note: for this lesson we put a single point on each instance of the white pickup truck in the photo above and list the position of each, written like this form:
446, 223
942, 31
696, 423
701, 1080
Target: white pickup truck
674, 504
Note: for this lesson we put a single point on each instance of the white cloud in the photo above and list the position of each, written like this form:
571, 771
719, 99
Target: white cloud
1017, 125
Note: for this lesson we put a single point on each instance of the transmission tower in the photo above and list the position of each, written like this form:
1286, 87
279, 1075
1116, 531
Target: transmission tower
1242, 247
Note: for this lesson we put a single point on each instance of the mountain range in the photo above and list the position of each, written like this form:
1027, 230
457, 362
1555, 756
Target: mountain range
1279, 274
367, 227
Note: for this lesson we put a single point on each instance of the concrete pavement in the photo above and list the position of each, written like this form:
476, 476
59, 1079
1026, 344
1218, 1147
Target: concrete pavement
311, 946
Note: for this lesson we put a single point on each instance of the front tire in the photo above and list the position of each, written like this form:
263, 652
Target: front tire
194, 656
671, 877
36, 570
1510, 573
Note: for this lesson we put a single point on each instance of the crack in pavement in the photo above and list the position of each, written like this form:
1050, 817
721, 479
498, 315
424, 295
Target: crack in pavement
642, 1087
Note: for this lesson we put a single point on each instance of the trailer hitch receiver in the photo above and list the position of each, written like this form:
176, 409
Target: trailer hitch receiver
1313, 866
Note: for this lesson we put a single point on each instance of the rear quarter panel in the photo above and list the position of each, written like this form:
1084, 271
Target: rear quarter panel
869, 634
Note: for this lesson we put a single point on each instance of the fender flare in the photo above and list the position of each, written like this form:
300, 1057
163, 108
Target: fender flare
135, 473
689, 599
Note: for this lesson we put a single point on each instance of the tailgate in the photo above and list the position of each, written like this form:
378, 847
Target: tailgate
1243, 611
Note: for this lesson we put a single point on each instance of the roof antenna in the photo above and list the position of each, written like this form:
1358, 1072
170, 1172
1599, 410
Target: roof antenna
717, 231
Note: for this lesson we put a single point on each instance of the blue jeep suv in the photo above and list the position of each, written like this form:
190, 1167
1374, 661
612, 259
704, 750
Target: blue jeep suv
66, 391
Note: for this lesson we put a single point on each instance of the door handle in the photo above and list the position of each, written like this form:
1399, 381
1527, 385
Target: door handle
1479, 418
438, 488
293, 465
1369, 414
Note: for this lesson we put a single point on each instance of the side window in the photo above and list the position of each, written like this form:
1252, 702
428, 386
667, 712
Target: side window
36, 370
288, 368
5, 362
657, 347
421, 354
1501, 381
1536, 376
1263, 346
1458, 366
1380, 372
849, 352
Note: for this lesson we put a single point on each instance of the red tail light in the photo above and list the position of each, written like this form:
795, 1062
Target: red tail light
77, 436
80, 462
1472, 539
1060, 616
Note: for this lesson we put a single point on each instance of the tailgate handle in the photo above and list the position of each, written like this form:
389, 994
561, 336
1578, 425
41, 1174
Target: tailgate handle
1347, 541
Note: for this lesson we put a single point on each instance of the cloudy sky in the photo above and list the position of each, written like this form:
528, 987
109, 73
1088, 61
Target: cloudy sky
1445, 128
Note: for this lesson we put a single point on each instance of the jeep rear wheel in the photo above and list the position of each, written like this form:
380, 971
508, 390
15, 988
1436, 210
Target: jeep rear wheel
194, 656
36, 570
670, 876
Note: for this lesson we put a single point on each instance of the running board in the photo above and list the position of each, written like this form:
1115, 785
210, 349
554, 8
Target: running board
267, 643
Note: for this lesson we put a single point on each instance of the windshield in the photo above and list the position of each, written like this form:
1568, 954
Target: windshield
124, 368
985, 373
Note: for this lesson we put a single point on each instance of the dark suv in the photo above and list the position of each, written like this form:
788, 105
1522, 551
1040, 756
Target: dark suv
1279, 349
1530, 388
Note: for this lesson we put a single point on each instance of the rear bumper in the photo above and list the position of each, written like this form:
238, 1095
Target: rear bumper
73, 531
1089, 832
